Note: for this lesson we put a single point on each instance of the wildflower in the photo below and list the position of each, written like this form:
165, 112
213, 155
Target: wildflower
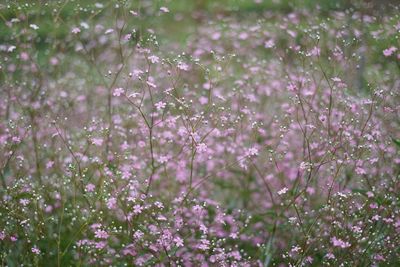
160, 105
138, 235
336, 242
163, 159
75, 30
269, 44
11, 48
154, 59
108, 31
201, 148
283, 191
112, 203
183, 66
34, 26
360, 171
118, 91
373, 206
252, 151
97, 141
304, 165
388, 52
164, 9
137, 209
133, 13
204, 245
376, 217
316, 51
330, 256
178, 241
101, 234
129, 250
49, 164
35, 250
90, 187
100, 245
203, 100
24, 201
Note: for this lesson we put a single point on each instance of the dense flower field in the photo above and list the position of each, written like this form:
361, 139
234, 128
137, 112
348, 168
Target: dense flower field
199, 133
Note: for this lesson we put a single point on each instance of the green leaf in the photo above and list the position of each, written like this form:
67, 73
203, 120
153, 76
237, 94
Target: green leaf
396, 141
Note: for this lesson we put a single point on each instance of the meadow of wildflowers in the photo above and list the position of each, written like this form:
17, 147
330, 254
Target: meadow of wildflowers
199, 133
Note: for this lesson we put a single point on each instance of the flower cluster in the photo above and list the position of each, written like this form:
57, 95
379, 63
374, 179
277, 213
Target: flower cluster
142, 133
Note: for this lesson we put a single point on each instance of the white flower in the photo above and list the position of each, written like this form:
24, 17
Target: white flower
34, 26
164, 9
283, 191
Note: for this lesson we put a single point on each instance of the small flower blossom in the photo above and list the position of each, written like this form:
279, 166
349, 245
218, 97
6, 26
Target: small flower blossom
183, 66
388, 52
112, 203
269, 44
118, 91
201, 148
283, 191
178, 241
137, 209
90, 187
336, 242
252, 151
49, 164
160, 105
34, 26
35, 250
97, 141
164, 9
75, 30
101, 234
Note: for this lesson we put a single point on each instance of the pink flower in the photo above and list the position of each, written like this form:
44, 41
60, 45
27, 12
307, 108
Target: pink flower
201, 148
154, 59
316, 51
360, 171
388, 52
97, 141
35, 250
118, 91
49, 164
101, 234
183, 66
137, 209
373, 206
100, 245
252, 151
112, 203
178, 241
336, 242
160, 105
129, 250
75, 30
204, 245
269, 44
330, 256
90, 187
163, 159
